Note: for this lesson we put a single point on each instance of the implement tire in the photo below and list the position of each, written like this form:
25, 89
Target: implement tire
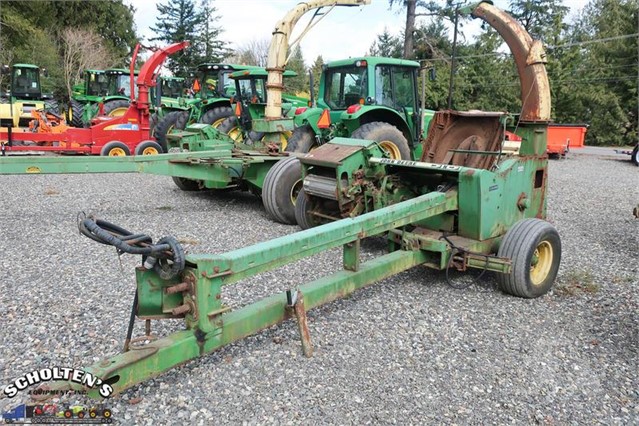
388, 136
534, 247
282, 184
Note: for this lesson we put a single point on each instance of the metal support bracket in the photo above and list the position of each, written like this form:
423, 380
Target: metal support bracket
296, 305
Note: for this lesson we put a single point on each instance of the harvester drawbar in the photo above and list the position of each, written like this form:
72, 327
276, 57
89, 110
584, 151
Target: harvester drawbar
465, 205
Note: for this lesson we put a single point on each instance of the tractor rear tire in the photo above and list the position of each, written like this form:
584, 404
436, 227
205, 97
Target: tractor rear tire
186, 184
148, 148
534, 247
216, 116
389, 137
231, 126
302, 140
115, 149
282, 184
169, 122
116, 108
153, 121
77, 110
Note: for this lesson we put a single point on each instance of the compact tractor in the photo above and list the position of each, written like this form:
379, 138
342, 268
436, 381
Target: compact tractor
366, 98
470, 203
24, 95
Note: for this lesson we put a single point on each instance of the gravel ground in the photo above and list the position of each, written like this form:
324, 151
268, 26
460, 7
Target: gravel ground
409, 350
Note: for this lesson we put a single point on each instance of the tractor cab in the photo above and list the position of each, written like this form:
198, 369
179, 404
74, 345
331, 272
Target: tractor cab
25, 82
119, 83
215, 82
172, 87
95, 83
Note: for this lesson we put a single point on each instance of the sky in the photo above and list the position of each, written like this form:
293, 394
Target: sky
344, 32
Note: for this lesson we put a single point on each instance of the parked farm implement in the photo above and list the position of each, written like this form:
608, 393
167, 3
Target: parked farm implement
112, 136
466, 204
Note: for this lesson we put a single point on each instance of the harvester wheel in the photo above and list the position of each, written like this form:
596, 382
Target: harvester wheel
116, 108
76, 109
148, 148
231, 126
635, 155
186, 184
165, 125
282, 184
302, 139
389, 137
51, 105
534, 247
115, 149
302, 206
215, 116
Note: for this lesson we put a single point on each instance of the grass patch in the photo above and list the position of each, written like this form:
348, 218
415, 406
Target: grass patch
575, 283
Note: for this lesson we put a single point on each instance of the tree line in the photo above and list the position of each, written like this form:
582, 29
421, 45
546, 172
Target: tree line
592, 59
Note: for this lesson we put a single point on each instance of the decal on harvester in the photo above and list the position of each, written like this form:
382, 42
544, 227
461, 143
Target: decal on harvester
58, 414
125, 126
60, 374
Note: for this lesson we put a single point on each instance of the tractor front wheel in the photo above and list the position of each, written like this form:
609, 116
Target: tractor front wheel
76, 110
115, 149
216, 116
389, 138
282, 184
116, 108
148, 148
171, 121
534, 248
302, 140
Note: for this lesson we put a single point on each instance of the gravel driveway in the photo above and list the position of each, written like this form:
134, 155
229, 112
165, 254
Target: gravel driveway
409, 350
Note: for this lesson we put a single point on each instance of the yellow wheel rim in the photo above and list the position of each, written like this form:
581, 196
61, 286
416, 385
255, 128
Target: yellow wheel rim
391, 149
117, 152
295, 190
236, 134
150, 151
284, 141
216, 123
118, 112
541, 263
107, 414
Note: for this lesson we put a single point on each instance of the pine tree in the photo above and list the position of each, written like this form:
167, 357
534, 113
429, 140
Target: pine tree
298, 83
386, 45
178, 21
212, 48
316, 70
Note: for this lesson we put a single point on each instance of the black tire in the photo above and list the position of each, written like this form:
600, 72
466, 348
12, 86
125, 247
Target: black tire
231, 126
148, 148
114, 149
524, 240
165, 125
186, 184
635, 155
106, 413
51, 105
153, 121
111, 107
302, 139
302, 205
282, 184
389, 137
215, 116
77, 110
182, 120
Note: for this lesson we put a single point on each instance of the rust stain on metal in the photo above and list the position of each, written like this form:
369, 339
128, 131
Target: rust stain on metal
181, 310
302, 322
178, 288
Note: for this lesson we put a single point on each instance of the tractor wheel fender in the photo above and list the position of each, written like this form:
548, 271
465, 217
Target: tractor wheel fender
310, 117
370, 113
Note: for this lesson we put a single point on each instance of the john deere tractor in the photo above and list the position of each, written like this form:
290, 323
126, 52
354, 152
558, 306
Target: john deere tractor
22, 95
369, 98
111, 87
209, 101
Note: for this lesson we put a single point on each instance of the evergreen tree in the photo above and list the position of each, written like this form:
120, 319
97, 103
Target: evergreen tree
386, 45
298, 83
316, 70
178, 21
212, 48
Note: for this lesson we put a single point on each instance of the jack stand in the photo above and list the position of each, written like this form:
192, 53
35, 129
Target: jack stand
295, 303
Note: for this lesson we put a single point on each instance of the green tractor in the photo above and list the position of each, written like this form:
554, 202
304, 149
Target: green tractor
209, 101
369, 98
111, 88
250, 103
22, 95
